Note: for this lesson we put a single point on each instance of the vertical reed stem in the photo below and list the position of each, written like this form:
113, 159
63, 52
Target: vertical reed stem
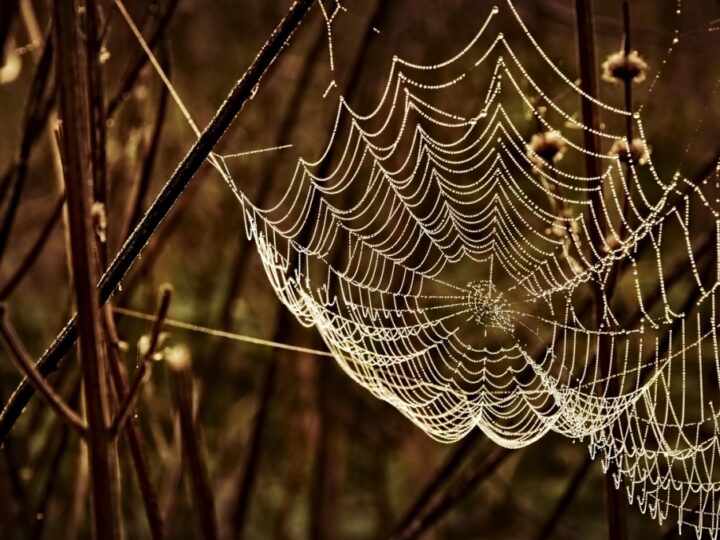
591, 118
78, 168
179, 365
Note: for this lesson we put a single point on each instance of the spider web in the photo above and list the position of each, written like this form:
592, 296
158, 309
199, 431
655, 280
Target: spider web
458, 271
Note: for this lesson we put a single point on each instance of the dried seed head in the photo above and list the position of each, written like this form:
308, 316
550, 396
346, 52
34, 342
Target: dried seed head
178, 358
638, 152
624, 67
611, 244
99, 217
546, 147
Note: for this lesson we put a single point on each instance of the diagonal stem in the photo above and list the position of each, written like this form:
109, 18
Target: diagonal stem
173, 189
21, 357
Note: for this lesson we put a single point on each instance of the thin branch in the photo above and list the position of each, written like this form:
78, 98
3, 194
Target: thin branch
617, 526
137, 199
254, 445
240, 94
133, 434
34, 252
179, 364
453, 463
34, 117
135, 67
456, 493
55, 460
146, 359
565, 500
21, 357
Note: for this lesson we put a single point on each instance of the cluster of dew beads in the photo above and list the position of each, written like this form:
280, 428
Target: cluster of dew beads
487, 306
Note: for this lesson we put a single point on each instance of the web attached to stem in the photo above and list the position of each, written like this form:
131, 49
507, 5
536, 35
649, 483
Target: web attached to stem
452, 269
473, 276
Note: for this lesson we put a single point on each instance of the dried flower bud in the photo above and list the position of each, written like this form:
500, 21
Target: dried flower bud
99, 217
611, 244
624, 67
638, 151
546, 147
178, 358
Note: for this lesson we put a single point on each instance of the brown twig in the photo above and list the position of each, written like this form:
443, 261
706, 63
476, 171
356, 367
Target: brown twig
565, 500
146, 359
54, 463
34, 252
135, 66
179, 364
171, 191
133, 434
78, 167
454, 494
137, 199
453, 463
617, 526
37, 108
21, 357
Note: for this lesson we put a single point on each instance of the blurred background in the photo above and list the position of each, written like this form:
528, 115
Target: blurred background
294, 448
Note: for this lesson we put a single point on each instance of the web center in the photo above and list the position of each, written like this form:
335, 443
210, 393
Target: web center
488, 307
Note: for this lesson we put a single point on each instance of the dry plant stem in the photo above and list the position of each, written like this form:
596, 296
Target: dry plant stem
54, 464
137, 199
133, 435
52, 125
454, 494
172, 190
34, 252
254, 445
182, 391
21, 358
565, 500
135, 67
629, 135
78, 168
97, 114
453, 464
80, 487
616, 520
146, 359
34, 117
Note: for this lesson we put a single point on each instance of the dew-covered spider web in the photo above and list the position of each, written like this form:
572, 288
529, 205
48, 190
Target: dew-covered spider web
471, 274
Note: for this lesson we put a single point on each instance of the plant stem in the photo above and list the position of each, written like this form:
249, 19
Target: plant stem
617, 527
475, 475
34, 252
179, 180
565, 500
179, 364
78, 166
146, 358
135, 67
453, 463
20, 356
133, 435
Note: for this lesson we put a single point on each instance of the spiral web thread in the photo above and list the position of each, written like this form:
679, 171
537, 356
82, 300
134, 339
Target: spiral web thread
449, 267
